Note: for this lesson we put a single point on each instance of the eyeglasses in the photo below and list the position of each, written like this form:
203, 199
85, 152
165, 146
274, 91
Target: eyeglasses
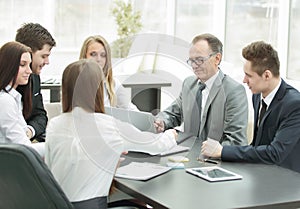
199, 60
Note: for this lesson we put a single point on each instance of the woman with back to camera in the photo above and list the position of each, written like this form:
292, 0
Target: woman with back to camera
15, 59
83, 145
97, 48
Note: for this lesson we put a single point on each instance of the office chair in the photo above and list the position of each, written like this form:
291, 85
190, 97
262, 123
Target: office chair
26, 181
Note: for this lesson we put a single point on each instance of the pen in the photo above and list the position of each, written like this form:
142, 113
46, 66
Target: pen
210, 161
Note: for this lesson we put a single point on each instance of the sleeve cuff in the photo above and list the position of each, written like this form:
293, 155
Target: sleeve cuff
31, 129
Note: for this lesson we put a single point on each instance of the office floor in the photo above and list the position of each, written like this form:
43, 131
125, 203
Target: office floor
119, 195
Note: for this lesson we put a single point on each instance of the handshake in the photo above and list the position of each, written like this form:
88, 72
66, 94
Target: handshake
210, 147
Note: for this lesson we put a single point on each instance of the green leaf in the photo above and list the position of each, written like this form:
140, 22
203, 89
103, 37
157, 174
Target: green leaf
128, 24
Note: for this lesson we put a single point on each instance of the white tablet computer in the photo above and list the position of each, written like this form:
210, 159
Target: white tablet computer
214, 173
142, 120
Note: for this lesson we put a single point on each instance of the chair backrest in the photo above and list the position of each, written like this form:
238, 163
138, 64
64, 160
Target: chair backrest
53, 109
26, 181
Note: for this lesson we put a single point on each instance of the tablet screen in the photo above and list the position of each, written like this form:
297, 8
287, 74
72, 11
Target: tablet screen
213, 173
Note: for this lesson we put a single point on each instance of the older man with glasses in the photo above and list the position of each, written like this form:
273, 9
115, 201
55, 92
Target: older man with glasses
211, 104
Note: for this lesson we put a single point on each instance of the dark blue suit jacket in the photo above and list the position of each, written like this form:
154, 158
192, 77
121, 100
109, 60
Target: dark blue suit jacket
38, 118
277, 139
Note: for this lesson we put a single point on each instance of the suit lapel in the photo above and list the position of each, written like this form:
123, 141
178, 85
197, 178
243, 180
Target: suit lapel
278, 96
256, 105
212, 94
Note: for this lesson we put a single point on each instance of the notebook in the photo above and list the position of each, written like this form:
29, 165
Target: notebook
142, 120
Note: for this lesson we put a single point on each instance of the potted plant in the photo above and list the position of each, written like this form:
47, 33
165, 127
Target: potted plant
128, 24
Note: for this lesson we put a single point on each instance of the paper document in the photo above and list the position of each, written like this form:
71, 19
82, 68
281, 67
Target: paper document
141, 171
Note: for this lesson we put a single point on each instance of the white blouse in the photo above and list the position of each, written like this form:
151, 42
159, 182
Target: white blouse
12, 123
83, 150
123, 99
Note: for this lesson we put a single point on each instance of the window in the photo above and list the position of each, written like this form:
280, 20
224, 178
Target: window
293, 71
16, 12
193, 18
153, 15
248, 21
76, 20
236, 22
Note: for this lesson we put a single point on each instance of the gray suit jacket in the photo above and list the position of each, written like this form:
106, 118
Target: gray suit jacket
225, 115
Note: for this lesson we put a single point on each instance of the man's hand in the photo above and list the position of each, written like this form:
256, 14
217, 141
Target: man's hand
159, 125
211, 148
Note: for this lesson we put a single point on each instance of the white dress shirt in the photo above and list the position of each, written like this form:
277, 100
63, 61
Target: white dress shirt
83, 150
12, 123
123, 99
268, 99
205, 92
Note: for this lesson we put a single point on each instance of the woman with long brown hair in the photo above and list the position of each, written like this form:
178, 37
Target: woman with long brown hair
83, 145
15, 59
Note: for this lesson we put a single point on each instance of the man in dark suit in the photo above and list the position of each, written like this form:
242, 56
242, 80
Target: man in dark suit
41, 42
277, 124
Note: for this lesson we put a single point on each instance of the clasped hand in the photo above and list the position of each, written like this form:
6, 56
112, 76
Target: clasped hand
211, 148
159, 125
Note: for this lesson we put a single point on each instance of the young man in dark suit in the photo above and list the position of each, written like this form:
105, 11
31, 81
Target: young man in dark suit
41, 42
277, 123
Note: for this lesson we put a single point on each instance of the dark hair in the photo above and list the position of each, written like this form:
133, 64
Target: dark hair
262, 56
82, 86
35, 36
214, 43
10, 57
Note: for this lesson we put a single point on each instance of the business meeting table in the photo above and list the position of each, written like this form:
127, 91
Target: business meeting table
262, 186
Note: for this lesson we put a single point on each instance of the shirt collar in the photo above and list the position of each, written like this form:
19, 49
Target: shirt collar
210, 81
13, 92
270, 97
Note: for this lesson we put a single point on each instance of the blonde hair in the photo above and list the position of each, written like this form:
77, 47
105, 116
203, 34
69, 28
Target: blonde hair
107, 69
